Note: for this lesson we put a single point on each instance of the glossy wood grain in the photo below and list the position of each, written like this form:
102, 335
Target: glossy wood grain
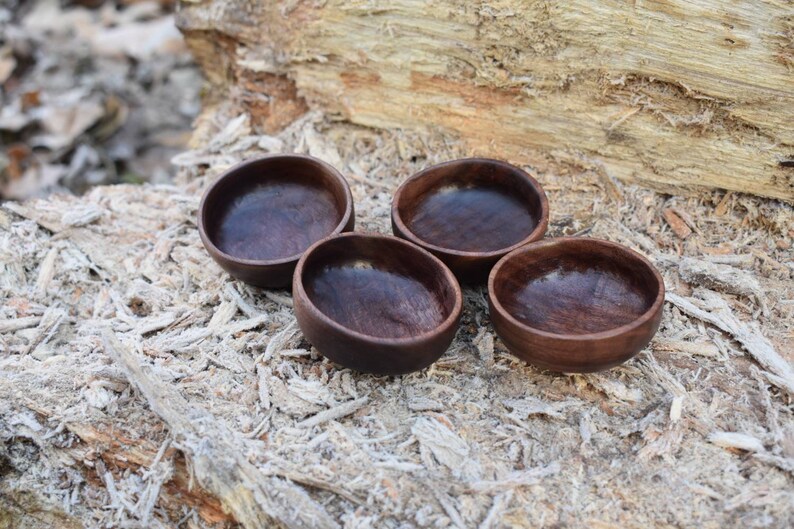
259, 217
376, 303
575, 304
470, 213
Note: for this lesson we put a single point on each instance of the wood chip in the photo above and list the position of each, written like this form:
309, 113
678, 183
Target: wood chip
337, 412
745, 442
447, 447
721, 316
517, 479
17, 324
677, 224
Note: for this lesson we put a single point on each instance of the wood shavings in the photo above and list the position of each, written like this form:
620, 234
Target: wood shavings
278, 341
723, 278
139, 40
47, 327
616, 389
180, 340
312, 391
422, 403
676, 408
448, 505
46, 271
331, 414
320, 148
155, 323
17, 324
139, 268
447, 447
82, 216
720, 315
218, 466
500, 503
517, 479
223, 315
745, 442
701, 348
677, 224
523, 408
586, 428
485, 347
247, 324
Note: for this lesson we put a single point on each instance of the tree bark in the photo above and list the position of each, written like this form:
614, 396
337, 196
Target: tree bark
667, 93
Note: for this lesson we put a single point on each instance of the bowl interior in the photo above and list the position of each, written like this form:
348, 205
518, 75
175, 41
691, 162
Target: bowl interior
274, 208
575, 287
378, 287
471, 206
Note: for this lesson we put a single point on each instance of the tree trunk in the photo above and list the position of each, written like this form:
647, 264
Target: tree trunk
670, 94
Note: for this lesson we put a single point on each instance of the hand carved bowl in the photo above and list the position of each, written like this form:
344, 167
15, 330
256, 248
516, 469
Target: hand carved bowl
470, 213
376, 303
575, 304
259, 217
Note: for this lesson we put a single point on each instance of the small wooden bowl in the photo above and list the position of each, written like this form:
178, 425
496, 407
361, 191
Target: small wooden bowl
575, 304
376, 303
259, 217
470, 213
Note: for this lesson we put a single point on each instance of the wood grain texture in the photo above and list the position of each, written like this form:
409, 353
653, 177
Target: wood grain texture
669, 93
469, 213
259, 216
575, 304
376, 303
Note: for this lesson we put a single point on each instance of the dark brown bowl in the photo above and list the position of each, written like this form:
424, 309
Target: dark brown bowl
259, 217
574, 304
376, 303
470, 213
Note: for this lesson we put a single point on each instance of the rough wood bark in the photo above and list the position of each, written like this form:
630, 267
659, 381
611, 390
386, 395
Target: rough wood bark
672, 94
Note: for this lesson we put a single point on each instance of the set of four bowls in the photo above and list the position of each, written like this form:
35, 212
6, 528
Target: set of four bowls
392, 305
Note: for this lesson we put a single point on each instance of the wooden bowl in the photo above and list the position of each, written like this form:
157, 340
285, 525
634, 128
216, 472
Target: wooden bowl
470, 213
376, 303
575, 304
259, 217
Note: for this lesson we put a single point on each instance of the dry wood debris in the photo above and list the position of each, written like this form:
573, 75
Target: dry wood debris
141, 387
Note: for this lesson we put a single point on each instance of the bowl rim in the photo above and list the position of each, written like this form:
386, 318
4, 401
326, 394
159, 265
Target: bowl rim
332, 172
535, 234
641, 320
298, 291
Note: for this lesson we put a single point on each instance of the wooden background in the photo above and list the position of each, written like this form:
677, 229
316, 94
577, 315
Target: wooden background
672, 94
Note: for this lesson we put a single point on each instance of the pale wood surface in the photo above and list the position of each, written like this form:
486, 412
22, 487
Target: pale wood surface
672, 94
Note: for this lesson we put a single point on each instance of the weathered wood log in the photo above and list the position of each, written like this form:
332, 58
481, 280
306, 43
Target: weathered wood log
671, 94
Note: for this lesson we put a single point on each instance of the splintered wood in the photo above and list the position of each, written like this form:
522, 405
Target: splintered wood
675, 94
141, 387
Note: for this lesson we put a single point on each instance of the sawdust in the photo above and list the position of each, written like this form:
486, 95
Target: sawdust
141, 387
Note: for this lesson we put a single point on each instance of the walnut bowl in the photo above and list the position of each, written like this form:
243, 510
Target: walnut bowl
470, 212
376, 303
575, 304
258, 218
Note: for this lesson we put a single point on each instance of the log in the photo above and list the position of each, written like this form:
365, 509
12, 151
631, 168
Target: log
670, 94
